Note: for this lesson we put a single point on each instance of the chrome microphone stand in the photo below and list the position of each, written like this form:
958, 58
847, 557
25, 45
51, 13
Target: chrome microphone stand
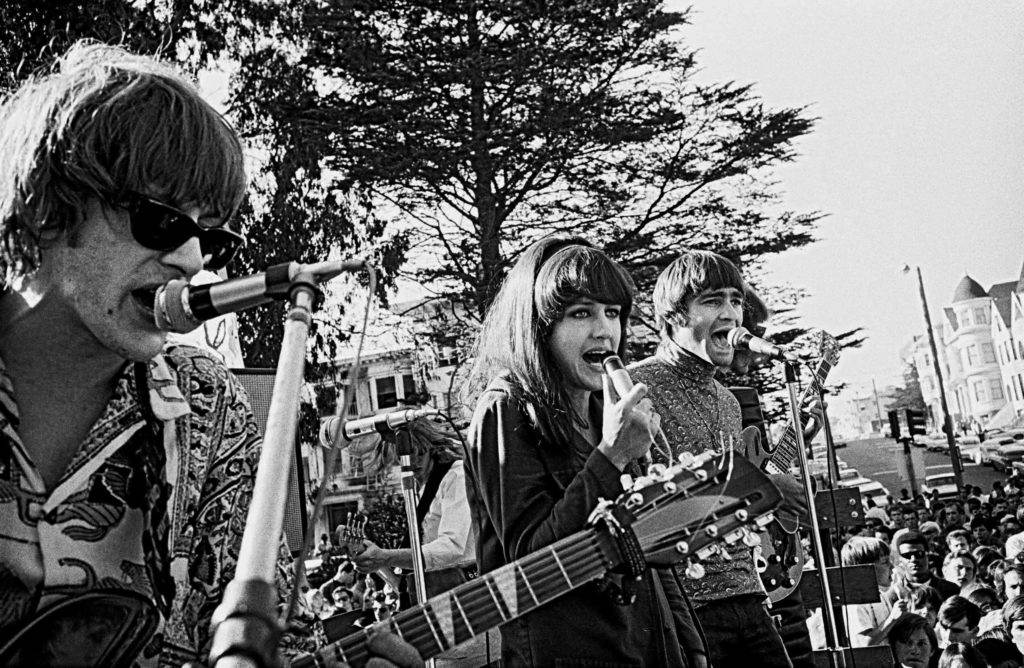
792, 370
246, 626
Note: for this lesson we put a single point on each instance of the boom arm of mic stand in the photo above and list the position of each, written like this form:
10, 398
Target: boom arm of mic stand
410, 495
246, 626
828, 613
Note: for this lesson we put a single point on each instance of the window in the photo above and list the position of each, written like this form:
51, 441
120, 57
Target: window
965, 318
1016, 388
972, 355
408, 387
995, 389
980, 315
353, 404
979, 390
988, 355
387, 394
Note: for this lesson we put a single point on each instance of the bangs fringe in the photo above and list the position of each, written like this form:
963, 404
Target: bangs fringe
103, 122
157, 136
580, 272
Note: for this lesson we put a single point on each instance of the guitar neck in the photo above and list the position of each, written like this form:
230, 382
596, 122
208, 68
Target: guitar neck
484, 603
786, 450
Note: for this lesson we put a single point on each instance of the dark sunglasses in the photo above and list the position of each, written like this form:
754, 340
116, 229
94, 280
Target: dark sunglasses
161, 227
914, 554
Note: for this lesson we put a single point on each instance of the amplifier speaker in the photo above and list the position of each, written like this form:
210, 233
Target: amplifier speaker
259, 384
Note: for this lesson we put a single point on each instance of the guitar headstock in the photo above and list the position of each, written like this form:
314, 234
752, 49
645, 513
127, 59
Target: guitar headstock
688, 511
828, 347
353, 533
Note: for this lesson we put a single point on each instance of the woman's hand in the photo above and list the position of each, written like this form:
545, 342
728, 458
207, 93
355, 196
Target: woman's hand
629, 425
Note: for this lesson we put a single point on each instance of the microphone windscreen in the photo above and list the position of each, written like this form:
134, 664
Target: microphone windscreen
169, 308
737, 337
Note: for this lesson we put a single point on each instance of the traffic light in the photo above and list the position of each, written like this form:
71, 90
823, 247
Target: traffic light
916, 422
894, 425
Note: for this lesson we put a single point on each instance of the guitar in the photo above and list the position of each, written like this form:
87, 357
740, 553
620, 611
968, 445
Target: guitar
353, 533
101, 627
676, 514
780, 557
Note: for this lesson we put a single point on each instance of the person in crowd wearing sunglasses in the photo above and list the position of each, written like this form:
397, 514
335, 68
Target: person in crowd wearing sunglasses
126, 468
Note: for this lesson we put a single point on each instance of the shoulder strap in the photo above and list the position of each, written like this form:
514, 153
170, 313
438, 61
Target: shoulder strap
437, 473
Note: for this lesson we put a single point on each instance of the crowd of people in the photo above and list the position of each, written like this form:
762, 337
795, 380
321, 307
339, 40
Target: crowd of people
949, 571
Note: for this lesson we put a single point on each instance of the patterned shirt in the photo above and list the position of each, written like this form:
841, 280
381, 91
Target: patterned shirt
154, 501
698, 414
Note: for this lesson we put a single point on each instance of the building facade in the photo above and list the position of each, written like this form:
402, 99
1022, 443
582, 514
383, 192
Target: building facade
979, 338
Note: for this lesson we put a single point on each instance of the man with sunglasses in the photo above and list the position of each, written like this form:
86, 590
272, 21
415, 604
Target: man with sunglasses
126, 467
912, 549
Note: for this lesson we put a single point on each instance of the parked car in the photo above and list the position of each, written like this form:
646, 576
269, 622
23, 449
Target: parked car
970, 450
945, 483
991, 445
868, 489
1004, 456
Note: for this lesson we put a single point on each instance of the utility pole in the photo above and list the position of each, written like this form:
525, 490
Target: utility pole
878, 404
954, 449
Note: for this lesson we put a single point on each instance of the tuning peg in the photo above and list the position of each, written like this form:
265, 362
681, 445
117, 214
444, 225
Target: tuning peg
711, 530
686, 459
750, 539
682, 547
700, 474
741, 515
733, 537
694, 571
656, 470
670, 487
635, 499
764, 520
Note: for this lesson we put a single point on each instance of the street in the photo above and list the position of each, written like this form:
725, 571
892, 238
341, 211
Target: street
876, 459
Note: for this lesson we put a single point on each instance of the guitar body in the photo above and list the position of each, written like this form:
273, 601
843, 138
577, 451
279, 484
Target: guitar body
780, 561
755, 448
780, 557
105, 628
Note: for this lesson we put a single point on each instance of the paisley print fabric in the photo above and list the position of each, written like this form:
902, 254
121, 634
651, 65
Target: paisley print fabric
154, 501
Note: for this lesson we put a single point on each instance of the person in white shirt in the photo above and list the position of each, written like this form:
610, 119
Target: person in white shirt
446, 529
867, 623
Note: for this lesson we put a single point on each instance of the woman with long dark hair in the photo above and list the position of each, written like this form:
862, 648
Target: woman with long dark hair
549, 438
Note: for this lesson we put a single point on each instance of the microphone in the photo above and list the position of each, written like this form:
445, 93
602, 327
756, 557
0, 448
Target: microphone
386, 423
617, 373
180, 307
740, 338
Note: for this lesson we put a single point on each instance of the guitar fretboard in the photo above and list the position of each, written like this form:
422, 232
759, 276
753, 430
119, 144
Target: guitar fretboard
786, 450
481, 604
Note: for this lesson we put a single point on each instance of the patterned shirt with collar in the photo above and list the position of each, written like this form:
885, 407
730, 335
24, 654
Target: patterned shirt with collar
698, 414
154, 501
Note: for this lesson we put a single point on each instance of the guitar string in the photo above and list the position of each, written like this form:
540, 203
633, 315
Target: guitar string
526, 562
417, 630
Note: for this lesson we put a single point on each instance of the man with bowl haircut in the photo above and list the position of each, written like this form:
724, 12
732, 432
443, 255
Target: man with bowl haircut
126, 469
698, 299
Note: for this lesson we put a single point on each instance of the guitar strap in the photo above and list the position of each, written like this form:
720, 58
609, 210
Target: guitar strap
437, 473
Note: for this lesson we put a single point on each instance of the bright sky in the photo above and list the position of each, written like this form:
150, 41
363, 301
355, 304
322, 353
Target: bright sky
917, 156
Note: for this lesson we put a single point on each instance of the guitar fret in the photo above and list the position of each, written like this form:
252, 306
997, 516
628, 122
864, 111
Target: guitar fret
494, 597
430, 624
458, 604
560, 566
398, 630
529, 587
339, 653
